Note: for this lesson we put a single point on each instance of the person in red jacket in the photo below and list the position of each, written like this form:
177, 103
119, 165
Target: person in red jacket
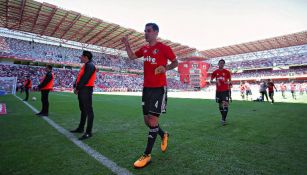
28, 85
83, 87
45, 87
154, 97
271, 87
223, 80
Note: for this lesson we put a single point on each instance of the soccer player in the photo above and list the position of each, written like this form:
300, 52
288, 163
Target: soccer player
263, 86
283, 88
242, 90
301, 89
45, 87
292, 89
247, 89
223, 79
156, 56
271, 87
28, 85
83, 87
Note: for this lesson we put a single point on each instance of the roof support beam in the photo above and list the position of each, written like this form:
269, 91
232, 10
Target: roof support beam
89, 31
118, 41
23, 3
7, 14
36, 17
80, 29
97, 34
48, 21
107, 34
57, 27
71, 24
110, 39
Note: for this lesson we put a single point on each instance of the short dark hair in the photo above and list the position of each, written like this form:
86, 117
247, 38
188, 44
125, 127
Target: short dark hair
49, 67
222, 60
87, 54
154, 26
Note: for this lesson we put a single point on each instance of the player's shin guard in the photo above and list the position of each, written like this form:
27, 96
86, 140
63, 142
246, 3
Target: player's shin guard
224, 115
160, 132
153, 131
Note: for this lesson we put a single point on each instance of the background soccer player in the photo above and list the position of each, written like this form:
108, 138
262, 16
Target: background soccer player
242, 90
84, 89
271, 87
247, 89
156, 56
223, 79
283, 88
293, 89
262, 89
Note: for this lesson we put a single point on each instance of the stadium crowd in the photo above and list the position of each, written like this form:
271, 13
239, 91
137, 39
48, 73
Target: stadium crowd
64, 78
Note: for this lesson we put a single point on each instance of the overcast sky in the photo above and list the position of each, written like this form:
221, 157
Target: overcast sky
202, 24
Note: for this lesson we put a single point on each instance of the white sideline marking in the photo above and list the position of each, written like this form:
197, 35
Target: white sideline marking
96, 155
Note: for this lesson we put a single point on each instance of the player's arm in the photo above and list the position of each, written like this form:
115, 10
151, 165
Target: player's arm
229, 79
212, 77
162, 69
173, 65
130, 53
170, 55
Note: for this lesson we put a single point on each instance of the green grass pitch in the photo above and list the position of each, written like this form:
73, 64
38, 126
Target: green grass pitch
260, 138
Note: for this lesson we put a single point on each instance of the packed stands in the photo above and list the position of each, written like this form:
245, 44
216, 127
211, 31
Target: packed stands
64, 78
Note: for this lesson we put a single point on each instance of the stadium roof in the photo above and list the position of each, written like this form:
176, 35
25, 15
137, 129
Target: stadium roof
294, 39
49, 20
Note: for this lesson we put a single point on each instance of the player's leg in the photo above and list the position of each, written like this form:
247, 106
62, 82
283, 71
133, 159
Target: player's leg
262, 96
224, 104
266, 96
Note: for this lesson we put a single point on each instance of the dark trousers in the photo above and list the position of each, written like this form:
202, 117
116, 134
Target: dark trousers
27, 94
45, 102
264, 93
85, 104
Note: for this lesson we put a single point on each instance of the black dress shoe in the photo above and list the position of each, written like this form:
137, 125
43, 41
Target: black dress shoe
85, 136
38, 113
43, 114
77, 131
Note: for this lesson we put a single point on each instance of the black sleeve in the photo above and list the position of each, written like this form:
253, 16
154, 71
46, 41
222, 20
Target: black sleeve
46, 80
88, 72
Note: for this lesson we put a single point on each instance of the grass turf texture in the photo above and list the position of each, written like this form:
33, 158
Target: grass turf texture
260, 138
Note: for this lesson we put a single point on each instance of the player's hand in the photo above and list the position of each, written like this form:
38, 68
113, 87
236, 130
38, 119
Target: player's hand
125, 39
160, 70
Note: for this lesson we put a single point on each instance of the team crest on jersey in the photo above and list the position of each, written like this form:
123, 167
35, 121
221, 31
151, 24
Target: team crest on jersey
155, 51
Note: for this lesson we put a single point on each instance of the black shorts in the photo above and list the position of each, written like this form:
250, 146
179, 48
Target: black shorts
222, 96
271, 94
248, 92
154, 101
